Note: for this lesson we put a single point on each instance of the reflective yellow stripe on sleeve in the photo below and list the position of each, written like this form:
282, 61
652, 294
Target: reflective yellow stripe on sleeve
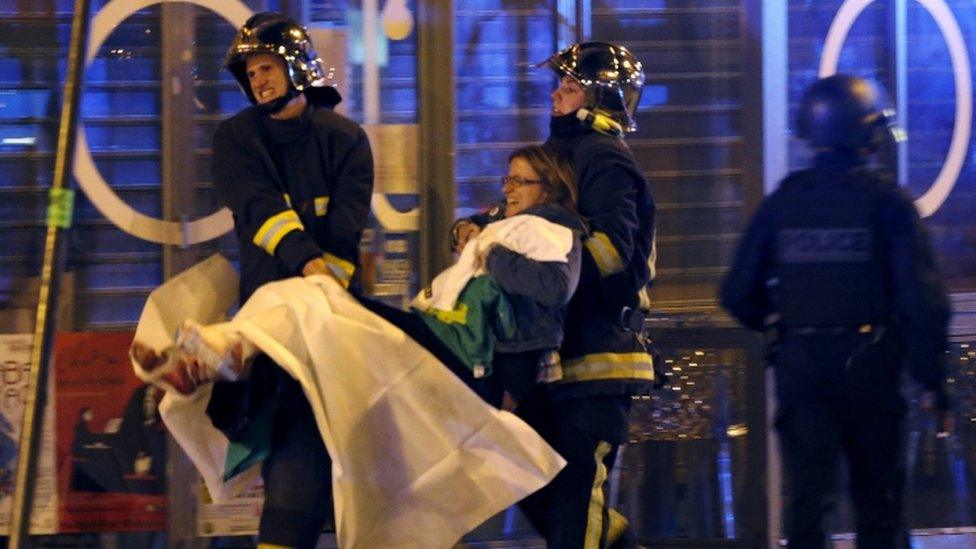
341, 268
321, 205
594, 516
607, 257
608, 366
275, 228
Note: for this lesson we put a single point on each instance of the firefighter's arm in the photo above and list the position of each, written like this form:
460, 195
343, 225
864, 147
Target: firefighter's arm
608, 201
349, 204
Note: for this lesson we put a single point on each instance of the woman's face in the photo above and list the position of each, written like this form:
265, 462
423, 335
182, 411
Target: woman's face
522, 187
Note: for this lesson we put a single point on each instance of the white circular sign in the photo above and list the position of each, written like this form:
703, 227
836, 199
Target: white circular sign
933, 199
90, 179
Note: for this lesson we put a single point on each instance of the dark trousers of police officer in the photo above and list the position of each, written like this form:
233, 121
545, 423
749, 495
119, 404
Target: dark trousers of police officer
839, 397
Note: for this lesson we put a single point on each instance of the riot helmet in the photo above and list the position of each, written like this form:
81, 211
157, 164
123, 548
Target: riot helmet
843, 112
276, 34
610, 75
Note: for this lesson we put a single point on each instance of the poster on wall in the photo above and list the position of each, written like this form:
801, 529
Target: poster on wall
238, 517
111, 444
15, 352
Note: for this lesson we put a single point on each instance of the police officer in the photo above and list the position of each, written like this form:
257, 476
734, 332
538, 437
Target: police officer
298, 178
584, 414
838, 269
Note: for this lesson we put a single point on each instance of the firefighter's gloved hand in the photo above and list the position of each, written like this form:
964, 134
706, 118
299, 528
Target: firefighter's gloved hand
318, 266
315, 267
945, 422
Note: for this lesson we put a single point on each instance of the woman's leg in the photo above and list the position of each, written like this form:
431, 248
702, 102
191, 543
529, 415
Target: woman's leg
516, 373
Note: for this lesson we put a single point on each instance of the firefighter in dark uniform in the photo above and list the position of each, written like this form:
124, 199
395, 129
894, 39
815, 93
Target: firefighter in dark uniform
298, 178
584, 414
837, 268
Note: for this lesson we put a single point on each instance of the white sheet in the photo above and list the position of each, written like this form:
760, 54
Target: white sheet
418, 458
530, 235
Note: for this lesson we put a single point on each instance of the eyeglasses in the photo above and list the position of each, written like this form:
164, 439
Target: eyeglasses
517, 181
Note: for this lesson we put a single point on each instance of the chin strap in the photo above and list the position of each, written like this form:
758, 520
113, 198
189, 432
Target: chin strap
275, 106
600, 121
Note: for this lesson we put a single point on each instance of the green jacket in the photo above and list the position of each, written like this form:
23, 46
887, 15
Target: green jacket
482, 314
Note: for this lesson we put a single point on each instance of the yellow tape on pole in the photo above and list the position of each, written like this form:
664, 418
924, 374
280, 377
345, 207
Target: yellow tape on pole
60, 208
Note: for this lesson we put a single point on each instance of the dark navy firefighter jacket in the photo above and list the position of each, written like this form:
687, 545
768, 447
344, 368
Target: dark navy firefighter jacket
299, 189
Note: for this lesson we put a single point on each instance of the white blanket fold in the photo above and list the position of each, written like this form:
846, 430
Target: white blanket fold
530, 235
418, 458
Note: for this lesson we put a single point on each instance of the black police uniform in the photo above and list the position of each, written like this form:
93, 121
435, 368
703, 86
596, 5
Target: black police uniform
837, 264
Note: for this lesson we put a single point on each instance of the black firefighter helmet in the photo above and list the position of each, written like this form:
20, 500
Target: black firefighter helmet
611, 76
844, 112
273, 33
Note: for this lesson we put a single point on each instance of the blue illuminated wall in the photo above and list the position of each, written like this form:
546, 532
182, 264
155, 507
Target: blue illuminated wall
688, 143
689, 136
124, 139
121, 108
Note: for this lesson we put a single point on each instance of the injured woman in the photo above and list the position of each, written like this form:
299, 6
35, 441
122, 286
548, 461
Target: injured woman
401, 398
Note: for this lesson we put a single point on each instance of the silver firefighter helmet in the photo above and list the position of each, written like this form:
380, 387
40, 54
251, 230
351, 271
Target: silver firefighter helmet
277, 34
612, 77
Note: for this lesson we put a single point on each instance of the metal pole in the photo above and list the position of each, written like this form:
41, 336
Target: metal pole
371, 62
584, 20
436, 83
774, 102
567, 24
574, 22
764, 33
179, 197
50, 277
899, 82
